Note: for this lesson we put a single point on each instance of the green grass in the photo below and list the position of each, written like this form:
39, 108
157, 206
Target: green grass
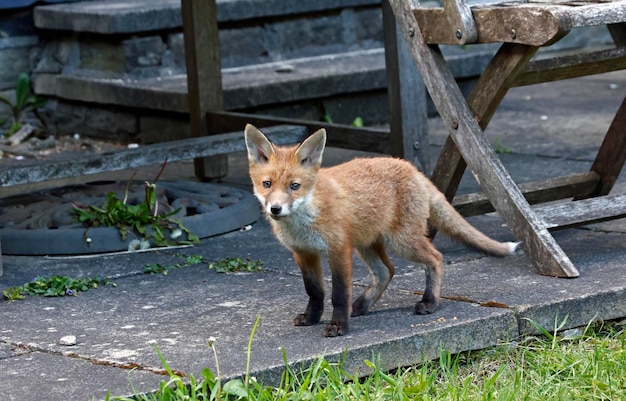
588, 366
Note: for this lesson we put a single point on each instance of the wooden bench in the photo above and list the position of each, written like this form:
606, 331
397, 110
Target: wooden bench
521, 29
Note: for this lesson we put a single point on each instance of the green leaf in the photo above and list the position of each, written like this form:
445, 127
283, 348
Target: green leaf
21, 91
235, 387
358, 122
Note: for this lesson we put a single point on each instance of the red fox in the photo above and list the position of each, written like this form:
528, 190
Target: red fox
367, 204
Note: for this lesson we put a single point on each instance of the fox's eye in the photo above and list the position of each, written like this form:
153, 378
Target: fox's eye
267, 184
294, 186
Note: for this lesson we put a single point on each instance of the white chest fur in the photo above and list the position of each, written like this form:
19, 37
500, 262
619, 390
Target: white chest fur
297, 231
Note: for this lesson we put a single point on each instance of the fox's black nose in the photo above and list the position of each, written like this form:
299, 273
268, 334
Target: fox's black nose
276, 209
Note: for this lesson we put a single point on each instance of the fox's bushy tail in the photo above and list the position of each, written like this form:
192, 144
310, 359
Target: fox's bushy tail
445, 218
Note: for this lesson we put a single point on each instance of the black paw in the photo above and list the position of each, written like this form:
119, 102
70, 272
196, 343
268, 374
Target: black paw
335, 329
305, 319
426, 307
359, 307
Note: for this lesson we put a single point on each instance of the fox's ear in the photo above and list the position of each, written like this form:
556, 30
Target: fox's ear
310, 151
259, 147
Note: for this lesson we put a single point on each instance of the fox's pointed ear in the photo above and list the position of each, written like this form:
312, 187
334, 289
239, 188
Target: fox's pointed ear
311, 150
259, 147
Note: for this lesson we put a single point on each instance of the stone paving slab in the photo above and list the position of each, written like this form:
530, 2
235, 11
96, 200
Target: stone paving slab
182, 310
46, 376
179, 312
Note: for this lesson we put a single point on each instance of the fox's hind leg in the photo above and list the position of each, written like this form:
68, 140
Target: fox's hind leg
419, 249
381, 270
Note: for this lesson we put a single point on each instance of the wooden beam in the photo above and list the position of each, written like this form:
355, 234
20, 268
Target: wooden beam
406, 94
183, 149
612, 154
341, 136
583, 212
204, 77
578, 65
535, 192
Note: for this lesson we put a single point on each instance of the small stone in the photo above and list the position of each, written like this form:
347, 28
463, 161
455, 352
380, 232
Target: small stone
68, 340
176, 233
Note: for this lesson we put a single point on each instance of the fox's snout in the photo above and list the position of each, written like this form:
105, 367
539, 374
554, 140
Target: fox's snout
275, 210
276, 205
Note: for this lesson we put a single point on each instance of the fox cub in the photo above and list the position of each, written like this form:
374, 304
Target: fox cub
368, 204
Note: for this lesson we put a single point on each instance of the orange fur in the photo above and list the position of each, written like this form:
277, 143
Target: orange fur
367, 204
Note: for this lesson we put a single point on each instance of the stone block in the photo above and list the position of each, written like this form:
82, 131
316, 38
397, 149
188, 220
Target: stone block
14, 61
306, 110
303, 37
62, 53
153, 129
174, 54
369, 26
100, 55
114, 125
5, 111
64, 118
242, 46
143, 52
370, 106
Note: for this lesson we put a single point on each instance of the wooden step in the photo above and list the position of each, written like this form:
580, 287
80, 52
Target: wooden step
246, 87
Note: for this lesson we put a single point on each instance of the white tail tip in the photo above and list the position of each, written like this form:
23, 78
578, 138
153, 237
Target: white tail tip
513, 246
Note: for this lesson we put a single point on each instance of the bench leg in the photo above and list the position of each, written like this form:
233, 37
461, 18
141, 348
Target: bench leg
204, 78
408, 121
612, 154
507, 199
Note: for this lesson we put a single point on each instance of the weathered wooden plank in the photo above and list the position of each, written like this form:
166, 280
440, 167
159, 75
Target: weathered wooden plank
536, 24
531, 25
596, 13
204, 77
367, 139
540, 246
572, 66
460, 19
535, 192
582, 212
183, 149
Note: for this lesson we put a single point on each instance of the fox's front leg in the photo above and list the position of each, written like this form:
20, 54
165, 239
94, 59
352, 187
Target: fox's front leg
340, 262
312, 275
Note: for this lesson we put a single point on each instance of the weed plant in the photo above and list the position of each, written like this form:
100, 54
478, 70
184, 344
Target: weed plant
54, 286
142, 218
24, 100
